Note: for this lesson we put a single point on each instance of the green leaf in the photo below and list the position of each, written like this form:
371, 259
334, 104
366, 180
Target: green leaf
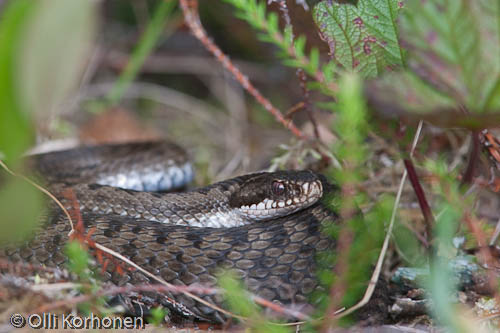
239, 302
157, 316
362, 38
456, 46
292, 63
453, 60
20, 207
300, 45
272, 21
314, 60
15, 129
329, 71
236, 296
78, 259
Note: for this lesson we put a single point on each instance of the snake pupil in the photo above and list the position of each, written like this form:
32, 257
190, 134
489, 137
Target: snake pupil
278, 188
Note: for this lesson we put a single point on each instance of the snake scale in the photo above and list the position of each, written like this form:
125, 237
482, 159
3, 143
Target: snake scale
266, 227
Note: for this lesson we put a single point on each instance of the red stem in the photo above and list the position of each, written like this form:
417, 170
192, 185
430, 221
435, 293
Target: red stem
422, 201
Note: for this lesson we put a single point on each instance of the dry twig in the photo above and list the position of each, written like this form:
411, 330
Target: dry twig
190, 10
123, 290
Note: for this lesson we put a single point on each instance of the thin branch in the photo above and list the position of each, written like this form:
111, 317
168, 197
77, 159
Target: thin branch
422, 200
473, 157
17, 266
163, 282
123, 290
279, 39
337, 291
301, 75
307, 101
192, 19
279, 309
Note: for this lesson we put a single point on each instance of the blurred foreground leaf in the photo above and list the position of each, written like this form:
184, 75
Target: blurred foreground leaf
240, 303
441, 284
43, 46
157, 316
455, 46
359, 236
55, 46
404, 96
20, 207
453, 75
78, 259
15, 129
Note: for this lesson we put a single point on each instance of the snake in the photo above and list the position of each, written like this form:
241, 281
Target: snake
266, 227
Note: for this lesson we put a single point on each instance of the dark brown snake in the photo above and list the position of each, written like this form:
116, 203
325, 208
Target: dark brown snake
266, 227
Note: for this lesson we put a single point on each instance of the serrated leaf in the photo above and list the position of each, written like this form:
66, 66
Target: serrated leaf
362, 38
456, 45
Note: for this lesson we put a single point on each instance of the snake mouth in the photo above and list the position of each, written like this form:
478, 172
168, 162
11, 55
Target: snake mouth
298, 196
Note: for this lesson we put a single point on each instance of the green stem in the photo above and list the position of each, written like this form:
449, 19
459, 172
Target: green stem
141, 52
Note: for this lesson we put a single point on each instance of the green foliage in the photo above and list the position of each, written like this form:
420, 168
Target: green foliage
154, 30
53, 49
33, 78
157, 316
441, 284
363, 38
236, 296
78, 260
351, 126
460, 39
38, 67
409, 248
367, 231
240, 303
20, 207
293, 53
453, 62
78, 263
15, 129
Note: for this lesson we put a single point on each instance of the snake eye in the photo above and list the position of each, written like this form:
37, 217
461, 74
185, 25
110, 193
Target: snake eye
278, 188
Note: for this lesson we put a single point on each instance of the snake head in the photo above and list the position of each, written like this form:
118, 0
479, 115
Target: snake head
270, 195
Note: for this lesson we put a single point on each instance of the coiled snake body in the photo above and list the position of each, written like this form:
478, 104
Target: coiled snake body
266, 227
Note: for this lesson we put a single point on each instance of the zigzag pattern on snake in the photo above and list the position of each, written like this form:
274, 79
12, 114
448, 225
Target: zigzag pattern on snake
265, 226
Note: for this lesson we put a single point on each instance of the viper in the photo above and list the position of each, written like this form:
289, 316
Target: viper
265, 227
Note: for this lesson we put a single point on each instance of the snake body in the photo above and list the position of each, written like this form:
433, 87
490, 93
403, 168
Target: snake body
271, 246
